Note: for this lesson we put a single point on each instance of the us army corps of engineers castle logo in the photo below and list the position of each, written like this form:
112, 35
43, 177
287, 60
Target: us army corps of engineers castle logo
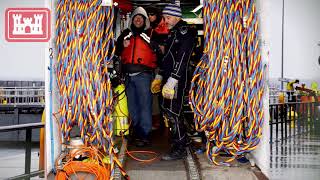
27, 25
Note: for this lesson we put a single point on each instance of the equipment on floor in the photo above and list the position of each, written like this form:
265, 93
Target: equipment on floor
121, 113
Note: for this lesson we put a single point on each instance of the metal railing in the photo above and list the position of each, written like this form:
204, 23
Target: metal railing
15, 96
290, 119
28, 127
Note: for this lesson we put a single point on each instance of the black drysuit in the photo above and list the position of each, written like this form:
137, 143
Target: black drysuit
178, 50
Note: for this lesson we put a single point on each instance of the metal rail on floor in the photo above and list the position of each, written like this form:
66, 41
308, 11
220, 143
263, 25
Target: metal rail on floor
191, 165
28, 127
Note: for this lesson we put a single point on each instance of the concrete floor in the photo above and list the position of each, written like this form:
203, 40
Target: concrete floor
157, 169
236, 172
176, 170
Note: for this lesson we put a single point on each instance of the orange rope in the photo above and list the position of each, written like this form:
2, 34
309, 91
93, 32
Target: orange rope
74, 167
94, 166
130, 153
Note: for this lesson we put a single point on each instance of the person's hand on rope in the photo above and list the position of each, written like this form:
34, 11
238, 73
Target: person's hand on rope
168, 89
156, 84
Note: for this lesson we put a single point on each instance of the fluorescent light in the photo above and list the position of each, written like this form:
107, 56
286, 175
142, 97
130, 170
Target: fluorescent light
197, 8
106, 3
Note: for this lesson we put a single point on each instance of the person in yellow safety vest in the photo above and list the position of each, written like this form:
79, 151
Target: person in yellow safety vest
290, 90
314, 87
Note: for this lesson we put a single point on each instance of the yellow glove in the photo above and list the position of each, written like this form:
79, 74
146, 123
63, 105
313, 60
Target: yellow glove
156, 84
168, 88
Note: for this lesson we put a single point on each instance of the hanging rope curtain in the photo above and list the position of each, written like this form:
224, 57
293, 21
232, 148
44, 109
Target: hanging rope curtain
84, 46
227, 88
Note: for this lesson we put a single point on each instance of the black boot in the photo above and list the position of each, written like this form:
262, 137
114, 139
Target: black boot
175, 154
143, 142
178, 140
